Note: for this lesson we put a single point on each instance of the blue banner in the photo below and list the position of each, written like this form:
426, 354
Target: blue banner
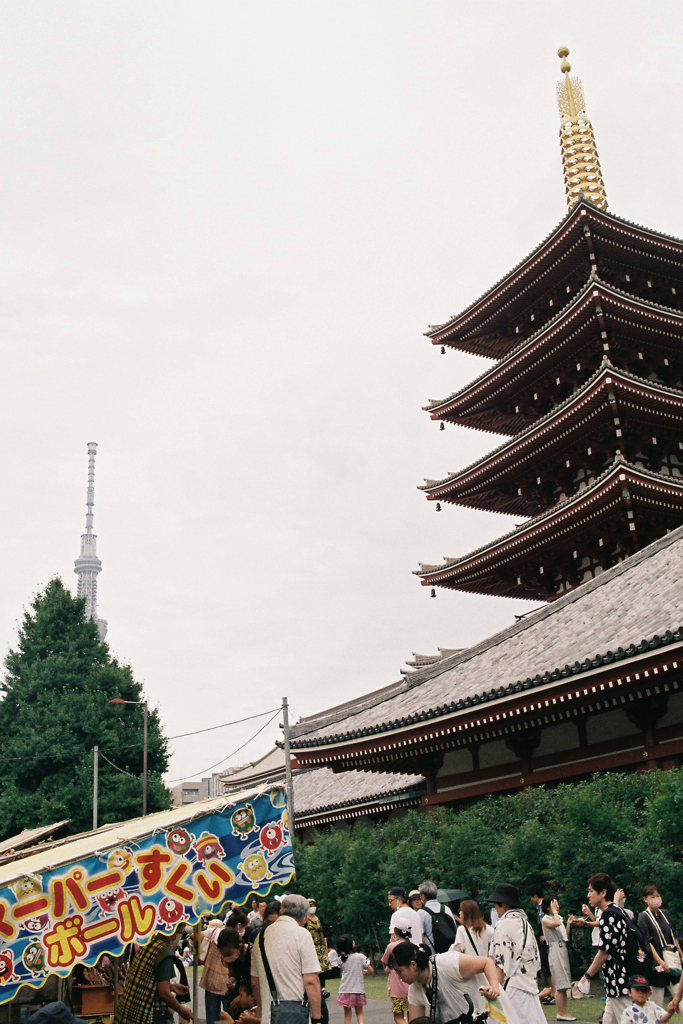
99, 904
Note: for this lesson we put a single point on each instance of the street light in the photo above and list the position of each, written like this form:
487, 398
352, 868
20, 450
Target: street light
119, 700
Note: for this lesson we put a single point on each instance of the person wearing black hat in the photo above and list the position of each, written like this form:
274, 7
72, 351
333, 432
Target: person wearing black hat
643, 1009
515, 953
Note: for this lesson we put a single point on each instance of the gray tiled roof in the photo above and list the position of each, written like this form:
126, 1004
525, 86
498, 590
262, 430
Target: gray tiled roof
321, 789
638, 598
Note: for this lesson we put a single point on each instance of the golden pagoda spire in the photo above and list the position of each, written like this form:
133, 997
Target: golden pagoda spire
580, 163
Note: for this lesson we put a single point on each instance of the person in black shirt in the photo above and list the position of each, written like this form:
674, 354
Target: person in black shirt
611, 954
547, 994
656, 925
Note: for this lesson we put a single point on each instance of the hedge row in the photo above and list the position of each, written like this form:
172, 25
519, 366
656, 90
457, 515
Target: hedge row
630, 826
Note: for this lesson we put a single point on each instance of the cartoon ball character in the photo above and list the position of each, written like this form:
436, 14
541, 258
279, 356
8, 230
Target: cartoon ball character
33, 957
26, 887
208, 848
7, 967
179, 840
243, 821
255, 867
170, 912
272, 837
278, 798
121, 860
108, 899
285, 819
36, 924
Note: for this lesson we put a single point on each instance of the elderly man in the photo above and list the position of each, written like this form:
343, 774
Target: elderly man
292, 957
436, 914
515, 953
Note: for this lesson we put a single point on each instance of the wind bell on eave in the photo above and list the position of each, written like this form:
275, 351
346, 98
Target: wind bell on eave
580, 163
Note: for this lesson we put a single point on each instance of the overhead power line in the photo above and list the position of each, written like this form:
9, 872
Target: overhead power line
227, 758
131, 746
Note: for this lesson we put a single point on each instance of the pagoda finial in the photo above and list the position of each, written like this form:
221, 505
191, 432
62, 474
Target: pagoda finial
580, 163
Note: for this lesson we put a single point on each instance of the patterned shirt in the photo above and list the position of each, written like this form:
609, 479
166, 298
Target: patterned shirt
613, 935
514, 949
650, 1013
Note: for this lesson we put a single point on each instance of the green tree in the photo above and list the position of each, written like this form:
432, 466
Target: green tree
55, 709
630, 826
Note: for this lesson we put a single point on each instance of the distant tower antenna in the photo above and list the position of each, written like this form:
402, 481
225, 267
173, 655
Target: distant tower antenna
580, 163
87, 565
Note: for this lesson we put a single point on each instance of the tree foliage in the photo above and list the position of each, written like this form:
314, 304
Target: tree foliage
55, 710
630, 826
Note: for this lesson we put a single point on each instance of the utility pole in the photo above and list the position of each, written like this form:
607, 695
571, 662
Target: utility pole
288, 764
95, 773
144, 761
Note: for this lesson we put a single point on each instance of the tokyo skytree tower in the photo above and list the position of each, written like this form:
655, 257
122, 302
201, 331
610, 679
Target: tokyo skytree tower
88, 565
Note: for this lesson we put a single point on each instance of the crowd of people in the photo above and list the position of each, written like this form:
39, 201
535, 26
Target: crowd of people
270, 966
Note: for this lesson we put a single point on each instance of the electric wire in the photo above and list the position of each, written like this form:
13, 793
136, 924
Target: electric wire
130, 746
223, 759
122, 770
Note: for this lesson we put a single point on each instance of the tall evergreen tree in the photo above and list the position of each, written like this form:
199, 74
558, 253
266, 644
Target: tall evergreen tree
55, 710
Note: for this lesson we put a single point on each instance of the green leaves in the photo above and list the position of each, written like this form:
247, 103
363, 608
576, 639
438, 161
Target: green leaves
630, 826
55, 709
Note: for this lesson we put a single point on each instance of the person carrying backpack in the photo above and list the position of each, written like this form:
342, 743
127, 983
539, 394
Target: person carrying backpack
621, 952
438, 923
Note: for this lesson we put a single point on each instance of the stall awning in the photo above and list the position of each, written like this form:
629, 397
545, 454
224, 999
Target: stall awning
97, 892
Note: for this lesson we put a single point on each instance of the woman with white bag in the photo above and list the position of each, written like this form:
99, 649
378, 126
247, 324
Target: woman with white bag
656, 925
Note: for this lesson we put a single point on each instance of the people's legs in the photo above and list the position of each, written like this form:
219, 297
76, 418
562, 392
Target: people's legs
347, 1015
614, 1008
213, 1007
360, 1016
324, 1012
561, 1000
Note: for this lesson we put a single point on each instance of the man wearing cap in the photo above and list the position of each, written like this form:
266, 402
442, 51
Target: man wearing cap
397, 901
515, 953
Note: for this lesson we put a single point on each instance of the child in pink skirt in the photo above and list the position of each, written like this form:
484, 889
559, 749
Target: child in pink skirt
354, 967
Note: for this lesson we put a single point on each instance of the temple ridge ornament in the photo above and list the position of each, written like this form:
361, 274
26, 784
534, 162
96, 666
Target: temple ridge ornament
580, 162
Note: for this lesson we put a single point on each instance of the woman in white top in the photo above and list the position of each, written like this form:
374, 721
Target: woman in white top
457, 990
474, 934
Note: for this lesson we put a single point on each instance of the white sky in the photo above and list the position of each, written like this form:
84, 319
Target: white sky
224, 228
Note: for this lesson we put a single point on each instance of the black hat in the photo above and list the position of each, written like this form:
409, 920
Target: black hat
54, 1013
638, 981
505, 893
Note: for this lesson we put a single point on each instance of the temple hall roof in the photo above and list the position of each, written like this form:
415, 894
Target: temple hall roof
638, 598
319, 791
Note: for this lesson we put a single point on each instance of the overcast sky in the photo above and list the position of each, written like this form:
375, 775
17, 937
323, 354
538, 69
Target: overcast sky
225, 227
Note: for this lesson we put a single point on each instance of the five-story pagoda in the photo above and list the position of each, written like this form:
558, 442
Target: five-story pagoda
587, 334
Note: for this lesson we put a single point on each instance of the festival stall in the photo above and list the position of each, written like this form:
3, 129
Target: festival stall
96, 893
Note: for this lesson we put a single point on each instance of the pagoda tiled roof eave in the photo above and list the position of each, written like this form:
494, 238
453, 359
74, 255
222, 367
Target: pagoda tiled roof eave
431, 574
436, 488
440, 332
551, 627
582, 298
434, 716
